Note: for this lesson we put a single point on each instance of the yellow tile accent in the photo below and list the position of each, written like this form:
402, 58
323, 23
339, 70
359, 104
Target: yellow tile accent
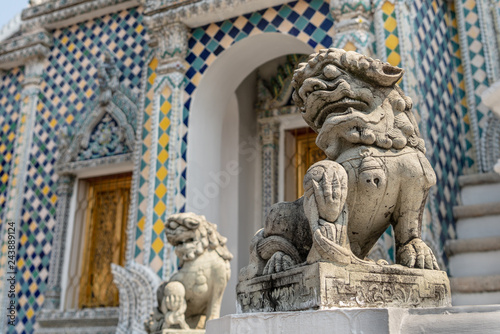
212, 30
349, 46
198, 48
11, 136
163, 156
30, 312
153, 64
69, 119
53, 123
390, 24
89, 92
160, 208
158, 226
196, 79
157, 245
161, 190
394, 59
2, 148
225, 42
141, 223
24, 238
241, 22
392, 42
450, 88
139, 28
165, 108
5, 178
388, 7
53, 199
64, 40
161, 173
163, 141
470, 4
164, 124
45, 190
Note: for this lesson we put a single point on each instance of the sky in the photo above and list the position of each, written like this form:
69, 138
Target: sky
9, 8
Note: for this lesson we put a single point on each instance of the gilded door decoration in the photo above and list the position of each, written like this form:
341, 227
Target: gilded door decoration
108, 201
307, 153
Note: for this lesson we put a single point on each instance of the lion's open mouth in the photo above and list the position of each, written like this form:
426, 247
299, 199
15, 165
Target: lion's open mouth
339, 107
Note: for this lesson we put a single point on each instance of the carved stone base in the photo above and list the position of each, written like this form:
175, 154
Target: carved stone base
326, 285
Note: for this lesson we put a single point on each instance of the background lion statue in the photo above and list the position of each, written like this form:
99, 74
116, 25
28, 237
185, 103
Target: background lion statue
193, 295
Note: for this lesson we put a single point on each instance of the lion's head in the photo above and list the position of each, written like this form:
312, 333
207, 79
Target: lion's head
192, 235
348, 98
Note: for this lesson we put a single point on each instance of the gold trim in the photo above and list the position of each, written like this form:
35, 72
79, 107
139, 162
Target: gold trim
307, 153
106, 217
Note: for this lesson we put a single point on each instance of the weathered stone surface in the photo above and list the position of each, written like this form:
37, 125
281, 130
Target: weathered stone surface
311, 252
194, 293
325, 285
180, 331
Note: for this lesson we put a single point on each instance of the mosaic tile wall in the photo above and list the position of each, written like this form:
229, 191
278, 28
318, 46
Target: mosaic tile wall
145, 161
10, 96
68, 90
391, 34
439, 75
475, 60
10, 104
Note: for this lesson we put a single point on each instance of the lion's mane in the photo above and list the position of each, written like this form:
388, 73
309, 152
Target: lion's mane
182, 227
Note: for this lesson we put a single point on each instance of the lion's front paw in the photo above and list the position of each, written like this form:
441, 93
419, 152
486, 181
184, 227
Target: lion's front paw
416, 254
278, 262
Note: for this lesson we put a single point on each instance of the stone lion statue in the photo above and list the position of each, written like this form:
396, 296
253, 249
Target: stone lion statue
376, 173
193, 295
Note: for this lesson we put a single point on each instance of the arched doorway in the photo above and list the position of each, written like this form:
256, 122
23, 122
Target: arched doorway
223, 157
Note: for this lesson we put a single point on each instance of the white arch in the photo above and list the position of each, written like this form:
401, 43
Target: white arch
220, 118
209, 103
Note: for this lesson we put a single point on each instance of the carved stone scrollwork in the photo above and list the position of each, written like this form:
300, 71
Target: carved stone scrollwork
19, 50
491, 137
107, 133
269, 136
136, 285
170, 43
64, 192
491, 144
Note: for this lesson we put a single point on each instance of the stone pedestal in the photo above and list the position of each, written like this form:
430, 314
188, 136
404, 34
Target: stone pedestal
325, 285
465, 319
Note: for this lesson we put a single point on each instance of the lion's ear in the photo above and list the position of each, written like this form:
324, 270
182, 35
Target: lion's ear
388, 75
191, 223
